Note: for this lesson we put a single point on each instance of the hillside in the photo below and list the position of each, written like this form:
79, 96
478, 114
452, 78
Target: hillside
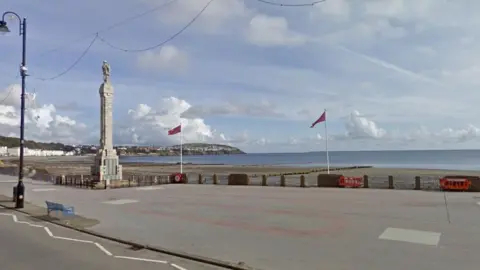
188, 148
15, 142
206, 147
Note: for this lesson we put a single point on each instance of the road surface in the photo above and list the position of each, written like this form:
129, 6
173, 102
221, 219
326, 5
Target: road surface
32, 247
275, 228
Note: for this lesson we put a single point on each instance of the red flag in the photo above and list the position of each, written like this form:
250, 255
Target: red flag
322, 118
175, 130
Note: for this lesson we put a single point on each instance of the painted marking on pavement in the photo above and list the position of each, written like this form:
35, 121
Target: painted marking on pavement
33, 225
103, 249
48, 231
150, 188
122, 201
43, 189
411, 236
177, 266
99, 246
74, 240
140, 259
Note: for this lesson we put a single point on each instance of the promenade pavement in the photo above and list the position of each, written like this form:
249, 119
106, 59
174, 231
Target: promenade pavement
31, 245
287, 228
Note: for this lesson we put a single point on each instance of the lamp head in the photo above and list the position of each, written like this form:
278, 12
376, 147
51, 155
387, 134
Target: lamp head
4, 27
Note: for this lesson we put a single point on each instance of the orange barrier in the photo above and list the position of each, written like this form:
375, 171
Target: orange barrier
352, 182
459, 184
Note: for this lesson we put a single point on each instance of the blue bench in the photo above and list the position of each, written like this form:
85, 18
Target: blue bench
66, 210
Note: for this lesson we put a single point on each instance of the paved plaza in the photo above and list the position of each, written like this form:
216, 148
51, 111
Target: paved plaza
286, 228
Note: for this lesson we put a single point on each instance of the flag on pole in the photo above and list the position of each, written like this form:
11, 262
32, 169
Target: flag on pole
321, 119
175, 130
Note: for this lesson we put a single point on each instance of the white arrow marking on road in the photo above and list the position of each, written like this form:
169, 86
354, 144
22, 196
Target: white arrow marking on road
99, 246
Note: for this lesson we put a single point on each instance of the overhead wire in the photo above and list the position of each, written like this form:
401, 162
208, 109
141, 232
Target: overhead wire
74, 63
163, 42
183, 29
2, 102
290, 5
112, 26
97, 37
6, 96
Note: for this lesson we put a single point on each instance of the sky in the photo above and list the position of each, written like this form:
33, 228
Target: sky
392, 74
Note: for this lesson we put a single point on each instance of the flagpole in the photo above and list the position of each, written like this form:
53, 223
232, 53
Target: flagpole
326, 142
181, 149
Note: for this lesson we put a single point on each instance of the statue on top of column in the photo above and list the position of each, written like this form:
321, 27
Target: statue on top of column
106, 72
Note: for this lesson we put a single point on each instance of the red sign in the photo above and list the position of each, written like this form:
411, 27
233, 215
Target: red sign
352, 182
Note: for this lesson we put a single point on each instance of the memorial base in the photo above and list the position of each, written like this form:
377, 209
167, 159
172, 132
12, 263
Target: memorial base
107, 167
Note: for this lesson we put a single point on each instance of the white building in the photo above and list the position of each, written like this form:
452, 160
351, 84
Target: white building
15, 152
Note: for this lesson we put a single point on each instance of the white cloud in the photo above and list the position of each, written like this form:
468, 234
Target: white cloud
359, 127
365, 32
446, 135
150, 125
257, 109
389, 8
42, 123
11, 95
269, 31
339, 9
168, 59
216, 17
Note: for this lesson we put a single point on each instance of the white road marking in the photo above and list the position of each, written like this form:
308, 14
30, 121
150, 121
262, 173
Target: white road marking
140, 259
122, 201
177, 266
72, 239
48, 231
33, 225
149, 188
43, 189
99, 246
103, 249
411, 236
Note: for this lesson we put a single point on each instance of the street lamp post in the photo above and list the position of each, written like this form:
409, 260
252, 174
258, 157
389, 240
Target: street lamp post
20, 190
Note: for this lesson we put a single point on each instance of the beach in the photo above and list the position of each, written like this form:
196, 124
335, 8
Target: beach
59, 165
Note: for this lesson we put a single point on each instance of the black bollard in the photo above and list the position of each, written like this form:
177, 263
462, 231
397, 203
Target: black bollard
20, 195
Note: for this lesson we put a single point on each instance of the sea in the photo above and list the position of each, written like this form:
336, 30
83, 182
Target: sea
423, 159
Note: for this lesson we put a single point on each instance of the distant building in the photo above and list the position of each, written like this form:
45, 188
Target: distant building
15, 152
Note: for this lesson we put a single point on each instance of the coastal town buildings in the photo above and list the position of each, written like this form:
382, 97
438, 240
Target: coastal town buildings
15, 152
123, 150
